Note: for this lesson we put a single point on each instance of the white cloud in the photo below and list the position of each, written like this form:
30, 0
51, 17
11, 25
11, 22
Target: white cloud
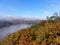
46, 13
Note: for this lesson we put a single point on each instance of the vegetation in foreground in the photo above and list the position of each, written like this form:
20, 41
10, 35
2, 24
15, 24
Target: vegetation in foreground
47, 32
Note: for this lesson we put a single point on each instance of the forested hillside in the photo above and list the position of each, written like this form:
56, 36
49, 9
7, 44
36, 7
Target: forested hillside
47, 32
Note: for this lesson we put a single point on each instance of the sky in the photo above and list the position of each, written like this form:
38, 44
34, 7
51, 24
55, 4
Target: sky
29, 8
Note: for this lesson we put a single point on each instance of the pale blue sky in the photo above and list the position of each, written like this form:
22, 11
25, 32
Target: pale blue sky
29, 8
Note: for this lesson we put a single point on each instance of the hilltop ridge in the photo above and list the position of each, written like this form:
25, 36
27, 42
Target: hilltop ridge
46, 32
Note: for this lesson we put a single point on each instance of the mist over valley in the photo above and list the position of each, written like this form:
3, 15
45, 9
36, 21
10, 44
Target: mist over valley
10, 26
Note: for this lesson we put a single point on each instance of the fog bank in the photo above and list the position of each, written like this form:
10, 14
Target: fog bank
13, 28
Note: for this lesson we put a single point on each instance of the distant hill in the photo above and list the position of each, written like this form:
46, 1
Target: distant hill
47, 32
6, 23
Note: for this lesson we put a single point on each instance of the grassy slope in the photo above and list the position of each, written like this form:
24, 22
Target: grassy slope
44, 33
